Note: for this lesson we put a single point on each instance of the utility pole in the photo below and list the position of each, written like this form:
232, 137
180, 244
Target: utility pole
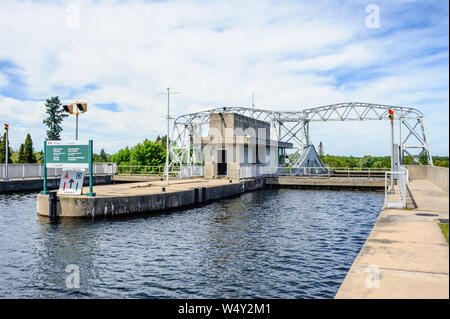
80, 107
253, 100
166, 168
391, 118
76, 127
6, 151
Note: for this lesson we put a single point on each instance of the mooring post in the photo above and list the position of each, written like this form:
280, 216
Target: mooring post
52, 205
196, 196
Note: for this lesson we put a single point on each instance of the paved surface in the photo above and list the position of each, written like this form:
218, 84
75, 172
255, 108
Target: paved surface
151, 187
406, 255
137, 178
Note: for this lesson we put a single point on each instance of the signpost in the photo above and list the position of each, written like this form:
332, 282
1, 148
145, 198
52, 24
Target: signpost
68, 155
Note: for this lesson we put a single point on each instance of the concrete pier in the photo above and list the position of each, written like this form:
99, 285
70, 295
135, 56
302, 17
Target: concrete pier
132, 198
406, 254
335, 183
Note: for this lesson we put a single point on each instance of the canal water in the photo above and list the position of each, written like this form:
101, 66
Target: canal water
264, 244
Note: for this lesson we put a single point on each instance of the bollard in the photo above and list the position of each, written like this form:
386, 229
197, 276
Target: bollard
196, 196
203, 194
52, 204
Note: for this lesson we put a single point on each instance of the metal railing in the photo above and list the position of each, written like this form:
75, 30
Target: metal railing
183, 172
256, 170
145, 170
395, 197
27, 170
250, 171
192, 171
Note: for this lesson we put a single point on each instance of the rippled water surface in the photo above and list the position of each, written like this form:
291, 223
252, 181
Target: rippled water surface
264, 244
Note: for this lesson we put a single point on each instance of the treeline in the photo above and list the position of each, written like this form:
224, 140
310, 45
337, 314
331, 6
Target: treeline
25, 153
147, 153
368, 161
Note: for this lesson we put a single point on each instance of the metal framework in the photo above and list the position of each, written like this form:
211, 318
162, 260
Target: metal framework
293, 127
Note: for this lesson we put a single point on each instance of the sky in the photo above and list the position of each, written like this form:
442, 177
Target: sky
118, 55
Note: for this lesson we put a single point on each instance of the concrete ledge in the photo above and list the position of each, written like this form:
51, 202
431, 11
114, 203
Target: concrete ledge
326, 183
439, 176
405, 255
436, 174
417, 171
36, 184
109, 204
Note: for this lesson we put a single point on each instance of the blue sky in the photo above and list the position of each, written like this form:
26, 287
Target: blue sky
118, 55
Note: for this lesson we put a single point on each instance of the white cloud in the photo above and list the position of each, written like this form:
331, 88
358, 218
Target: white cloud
291, 54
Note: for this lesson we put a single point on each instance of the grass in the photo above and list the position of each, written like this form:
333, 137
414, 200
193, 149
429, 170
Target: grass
444, 228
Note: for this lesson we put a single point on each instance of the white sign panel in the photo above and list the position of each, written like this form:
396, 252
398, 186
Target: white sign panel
74, 142
66, 165
71, 182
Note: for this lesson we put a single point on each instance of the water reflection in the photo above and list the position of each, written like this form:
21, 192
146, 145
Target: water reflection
268, 244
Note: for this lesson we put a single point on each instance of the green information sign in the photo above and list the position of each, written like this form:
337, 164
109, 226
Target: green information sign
68, 155
64, 154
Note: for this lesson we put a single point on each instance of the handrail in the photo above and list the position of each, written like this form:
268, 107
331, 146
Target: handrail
256, 170
36, 170
399, 189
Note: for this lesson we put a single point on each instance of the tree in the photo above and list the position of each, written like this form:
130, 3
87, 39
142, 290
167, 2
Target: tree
162, 141
122, 156
3, 151
21, 155
320, 149
366, 161
103, 155
55, 116
28, 150
40, 156
148, 153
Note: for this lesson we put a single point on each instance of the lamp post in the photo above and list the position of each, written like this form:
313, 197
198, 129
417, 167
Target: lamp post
80, 107
391, 118
6, 151
166, 167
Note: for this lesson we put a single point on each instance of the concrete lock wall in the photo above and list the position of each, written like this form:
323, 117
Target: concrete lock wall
439, 176
435, 174
82, 206
52, 183
417, 171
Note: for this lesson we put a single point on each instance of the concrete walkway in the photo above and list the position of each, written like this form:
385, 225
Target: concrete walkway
406, 255
152, 187
145, 197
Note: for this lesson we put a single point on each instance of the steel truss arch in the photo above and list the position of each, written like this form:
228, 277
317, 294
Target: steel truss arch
293, 127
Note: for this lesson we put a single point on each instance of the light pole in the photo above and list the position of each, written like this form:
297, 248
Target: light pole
6, 151
166, 167
253, 100
391, 118
81, 107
